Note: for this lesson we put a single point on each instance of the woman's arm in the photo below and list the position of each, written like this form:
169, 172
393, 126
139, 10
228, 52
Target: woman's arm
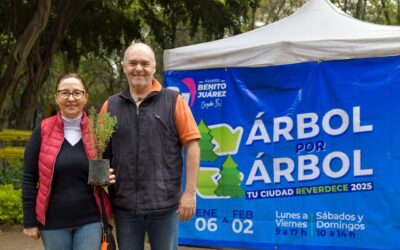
30, 177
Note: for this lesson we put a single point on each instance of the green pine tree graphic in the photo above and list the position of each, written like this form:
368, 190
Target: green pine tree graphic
229, 184
206, 147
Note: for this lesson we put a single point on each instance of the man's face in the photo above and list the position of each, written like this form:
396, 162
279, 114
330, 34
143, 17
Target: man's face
139, 66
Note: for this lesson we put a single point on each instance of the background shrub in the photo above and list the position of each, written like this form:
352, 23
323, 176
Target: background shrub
11, 173
10, 205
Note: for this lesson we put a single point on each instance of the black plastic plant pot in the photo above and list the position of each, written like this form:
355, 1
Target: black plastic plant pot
99, 172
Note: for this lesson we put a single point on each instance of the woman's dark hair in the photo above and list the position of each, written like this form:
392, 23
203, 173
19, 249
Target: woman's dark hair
70, 75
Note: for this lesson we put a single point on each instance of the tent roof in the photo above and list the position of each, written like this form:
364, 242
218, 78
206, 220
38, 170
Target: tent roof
317, 31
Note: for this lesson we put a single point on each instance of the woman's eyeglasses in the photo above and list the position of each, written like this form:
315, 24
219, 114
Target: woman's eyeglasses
76, 94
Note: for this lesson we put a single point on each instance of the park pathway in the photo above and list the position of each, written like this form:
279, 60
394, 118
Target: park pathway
11, 238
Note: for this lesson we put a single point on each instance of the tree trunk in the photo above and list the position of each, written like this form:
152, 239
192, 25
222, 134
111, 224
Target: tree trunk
385, 12
29, 98
398, 12
364, 12
26, 110
253, 8
358, 9
41, 60
23, 47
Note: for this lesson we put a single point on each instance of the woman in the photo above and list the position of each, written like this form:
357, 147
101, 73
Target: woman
63, 209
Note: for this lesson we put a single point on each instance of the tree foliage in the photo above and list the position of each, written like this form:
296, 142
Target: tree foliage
78, 30
73, 28
169, 20
375, 11
102, 126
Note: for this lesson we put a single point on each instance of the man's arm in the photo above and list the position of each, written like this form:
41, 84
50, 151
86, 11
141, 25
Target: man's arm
187, 204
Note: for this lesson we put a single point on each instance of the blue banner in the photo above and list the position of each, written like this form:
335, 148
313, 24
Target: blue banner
301, 156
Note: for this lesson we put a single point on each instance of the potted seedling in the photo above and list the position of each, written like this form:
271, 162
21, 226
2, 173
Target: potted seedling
101, 127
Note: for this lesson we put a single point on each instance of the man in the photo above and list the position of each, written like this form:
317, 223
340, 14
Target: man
146, 154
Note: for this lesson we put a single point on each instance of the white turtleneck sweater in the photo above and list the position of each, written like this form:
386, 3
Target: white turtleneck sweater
72, 129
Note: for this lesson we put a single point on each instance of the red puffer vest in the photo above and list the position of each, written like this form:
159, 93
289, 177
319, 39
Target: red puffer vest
52, 138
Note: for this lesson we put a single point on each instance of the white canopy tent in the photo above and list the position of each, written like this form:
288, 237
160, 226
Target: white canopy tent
317, 31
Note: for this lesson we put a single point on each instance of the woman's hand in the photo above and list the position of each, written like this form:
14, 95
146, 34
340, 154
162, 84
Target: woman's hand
32, 232
111, 176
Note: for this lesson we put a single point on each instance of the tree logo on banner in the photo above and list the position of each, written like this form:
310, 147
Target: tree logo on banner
229, 184
223, 181
206, 145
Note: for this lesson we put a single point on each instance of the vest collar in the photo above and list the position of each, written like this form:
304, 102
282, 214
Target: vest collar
155, 89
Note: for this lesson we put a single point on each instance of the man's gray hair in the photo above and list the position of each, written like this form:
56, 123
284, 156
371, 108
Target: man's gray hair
136, 43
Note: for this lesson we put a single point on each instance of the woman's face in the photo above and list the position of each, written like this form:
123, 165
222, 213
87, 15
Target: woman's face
71, 97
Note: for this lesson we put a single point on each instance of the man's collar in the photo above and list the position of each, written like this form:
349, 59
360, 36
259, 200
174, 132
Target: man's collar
156, 87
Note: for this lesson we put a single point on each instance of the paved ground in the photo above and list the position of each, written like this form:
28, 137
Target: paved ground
11, 238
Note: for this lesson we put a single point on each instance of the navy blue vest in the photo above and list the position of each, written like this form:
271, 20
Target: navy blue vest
146, 153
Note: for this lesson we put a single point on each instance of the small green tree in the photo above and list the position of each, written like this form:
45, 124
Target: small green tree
102, 127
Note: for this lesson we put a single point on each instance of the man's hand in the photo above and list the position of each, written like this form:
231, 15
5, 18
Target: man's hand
32, 232
187, 206
111, 177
